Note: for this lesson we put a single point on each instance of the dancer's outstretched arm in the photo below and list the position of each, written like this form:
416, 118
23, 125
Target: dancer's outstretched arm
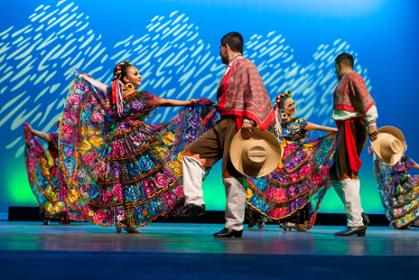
312, 126
173, 102
47, 137
414, 164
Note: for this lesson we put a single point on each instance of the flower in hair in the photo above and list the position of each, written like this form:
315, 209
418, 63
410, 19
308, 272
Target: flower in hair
282, 95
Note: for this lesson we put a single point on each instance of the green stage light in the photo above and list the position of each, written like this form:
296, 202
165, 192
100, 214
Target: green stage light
19, 188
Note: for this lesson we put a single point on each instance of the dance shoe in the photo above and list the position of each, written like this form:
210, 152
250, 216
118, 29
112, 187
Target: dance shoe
288, 226
128, 228
359, 231
228, 233
190, 210
132, 229
365, 219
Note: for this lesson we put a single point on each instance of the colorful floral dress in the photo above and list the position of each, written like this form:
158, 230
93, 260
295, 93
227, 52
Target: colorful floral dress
46, 178
122, 168
293, 130
399, 191
294, 191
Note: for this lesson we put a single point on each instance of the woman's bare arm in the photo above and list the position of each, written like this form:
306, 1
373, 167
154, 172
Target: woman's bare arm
173, 102
312, 126
47, 137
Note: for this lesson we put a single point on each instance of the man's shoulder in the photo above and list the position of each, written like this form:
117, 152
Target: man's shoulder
354, 76
245, 63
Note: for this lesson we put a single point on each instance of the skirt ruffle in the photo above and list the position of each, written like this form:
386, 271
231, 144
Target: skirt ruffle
300, 183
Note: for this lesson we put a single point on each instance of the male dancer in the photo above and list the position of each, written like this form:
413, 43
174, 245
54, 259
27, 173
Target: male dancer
242, 102
354, 113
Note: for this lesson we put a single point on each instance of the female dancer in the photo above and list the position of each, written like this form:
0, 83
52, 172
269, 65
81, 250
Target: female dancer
126, 171
46, 178
293, 192
399, 190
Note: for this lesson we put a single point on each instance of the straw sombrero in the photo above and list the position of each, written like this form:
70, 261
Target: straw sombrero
390, 144
256, 156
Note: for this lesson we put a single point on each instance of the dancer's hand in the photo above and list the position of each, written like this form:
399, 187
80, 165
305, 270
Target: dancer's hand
204, 101
246, 131
27, 130
84, 76
193, 101
373, 131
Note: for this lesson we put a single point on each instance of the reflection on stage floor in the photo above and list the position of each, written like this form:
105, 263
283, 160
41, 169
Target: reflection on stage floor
164, 250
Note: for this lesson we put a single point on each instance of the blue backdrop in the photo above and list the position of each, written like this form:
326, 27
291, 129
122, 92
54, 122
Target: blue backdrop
175, 45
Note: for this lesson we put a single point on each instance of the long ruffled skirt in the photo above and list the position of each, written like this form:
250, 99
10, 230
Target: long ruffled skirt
296, 188
399, 193
47, 181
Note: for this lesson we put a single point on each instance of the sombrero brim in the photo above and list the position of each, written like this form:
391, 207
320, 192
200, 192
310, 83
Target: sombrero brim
273, 153
394, 131
384, 132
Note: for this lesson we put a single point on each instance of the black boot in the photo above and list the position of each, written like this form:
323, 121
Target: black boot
359, 231
365, 219
228, 233
190, 210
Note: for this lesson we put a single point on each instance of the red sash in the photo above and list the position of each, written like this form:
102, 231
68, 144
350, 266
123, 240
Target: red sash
350, 143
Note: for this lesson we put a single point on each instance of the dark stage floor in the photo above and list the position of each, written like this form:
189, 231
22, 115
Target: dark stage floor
188, 251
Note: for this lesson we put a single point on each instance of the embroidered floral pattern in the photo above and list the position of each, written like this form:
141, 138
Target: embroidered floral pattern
399, 191
46, 179
300, 183
121, 166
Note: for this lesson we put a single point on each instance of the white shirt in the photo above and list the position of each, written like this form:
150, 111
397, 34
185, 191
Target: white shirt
371, 115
